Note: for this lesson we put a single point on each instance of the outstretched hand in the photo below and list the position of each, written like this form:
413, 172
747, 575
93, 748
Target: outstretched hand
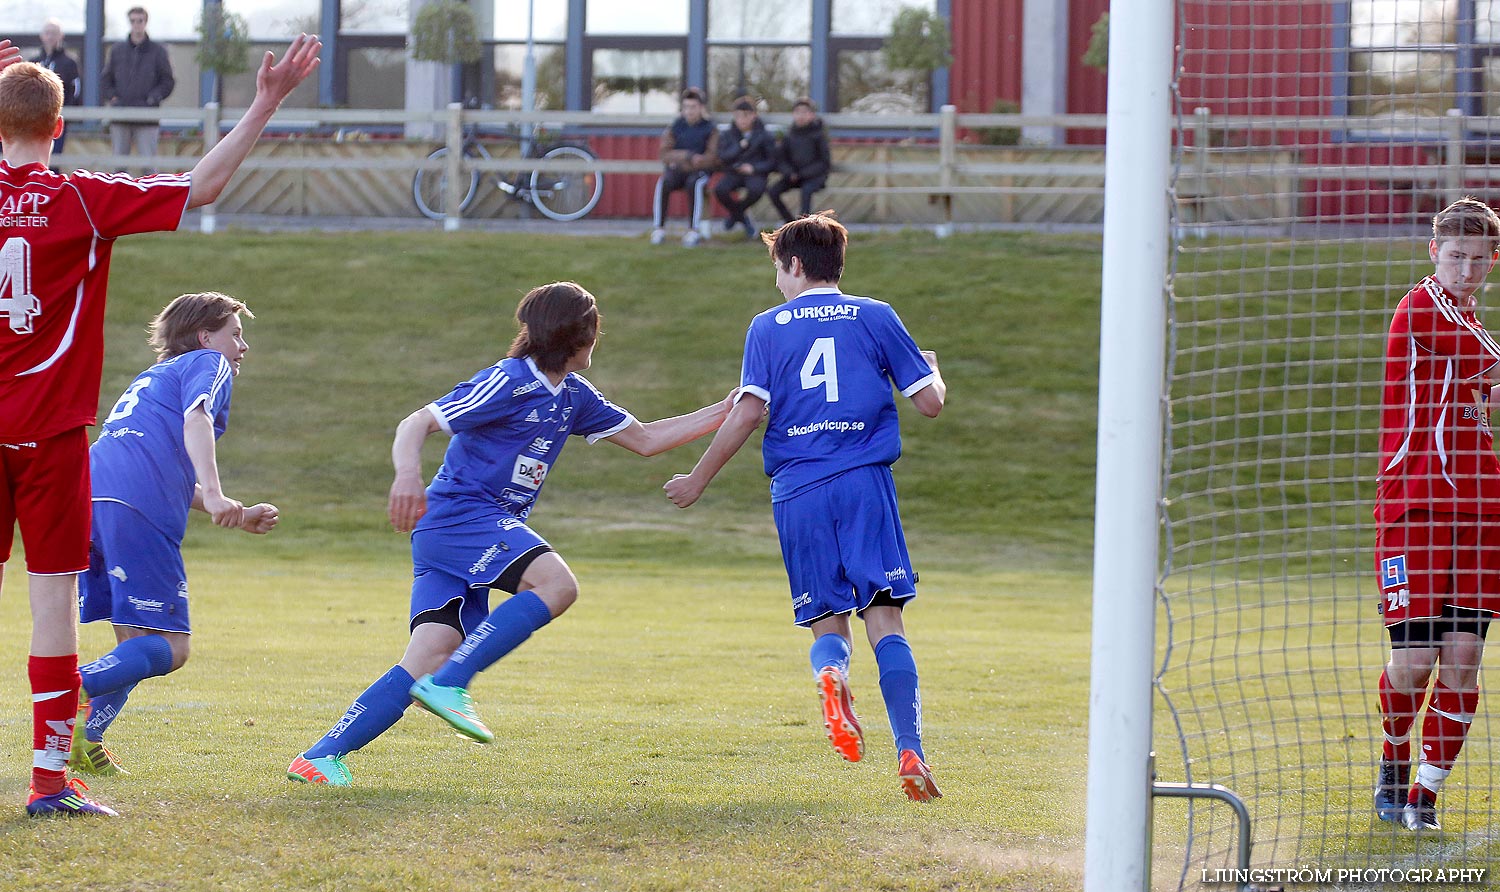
260, 519
8, 54
276, 80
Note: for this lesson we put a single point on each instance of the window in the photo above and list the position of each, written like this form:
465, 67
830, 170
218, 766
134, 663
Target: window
1403, 57
239, 89
777, 74
549, 20
658, 17
377, 77
866, 85
277, 22
374, 17
871, 18
637, 81
756, 21
550, 75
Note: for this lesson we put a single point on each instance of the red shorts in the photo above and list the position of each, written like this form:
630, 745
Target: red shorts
1427, 561
45, 486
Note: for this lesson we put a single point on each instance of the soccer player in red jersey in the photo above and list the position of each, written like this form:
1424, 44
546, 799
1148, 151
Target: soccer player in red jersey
56, 232
1437, 512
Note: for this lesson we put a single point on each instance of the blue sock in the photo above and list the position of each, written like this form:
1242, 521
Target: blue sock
830, 650
501, 632
103, 710
368, 717
898, 686
132, 660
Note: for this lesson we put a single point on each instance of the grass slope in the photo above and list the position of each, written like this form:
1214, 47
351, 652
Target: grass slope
664, 734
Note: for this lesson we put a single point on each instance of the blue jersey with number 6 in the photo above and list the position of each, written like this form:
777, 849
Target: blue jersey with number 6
825, 363
140, 458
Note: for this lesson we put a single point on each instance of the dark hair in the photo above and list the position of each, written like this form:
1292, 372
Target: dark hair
175, 329
817, 240
137, 9
1467, 217
744, 103
695, 93
557, 320
807, 101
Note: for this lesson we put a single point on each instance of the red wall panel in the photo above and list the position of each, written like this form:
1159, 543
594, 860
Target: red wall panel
986, 53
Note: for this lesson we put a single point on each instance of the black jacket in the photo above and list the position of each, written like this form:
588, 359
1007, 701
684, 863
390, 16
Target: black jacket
62, 65
804, 152
136, 75
756, 148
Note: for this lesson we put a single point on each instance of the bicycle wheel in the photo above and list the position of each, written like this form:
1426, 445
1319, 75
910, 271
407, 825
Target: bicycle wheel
429, 188
566, 195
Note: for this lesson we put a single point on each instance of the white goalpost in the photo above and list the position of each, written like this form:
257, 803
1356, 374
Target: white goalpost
1272, 168
1137, 161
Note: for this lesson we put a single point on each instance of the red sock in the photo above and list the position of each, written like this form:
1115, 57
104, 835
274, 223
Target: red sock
1398, 711
54, 706
1444, 728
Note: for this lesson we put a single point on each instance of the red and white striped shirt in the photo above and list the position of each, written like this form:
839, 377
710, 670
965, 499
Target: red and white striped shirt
56, 234
1436, 450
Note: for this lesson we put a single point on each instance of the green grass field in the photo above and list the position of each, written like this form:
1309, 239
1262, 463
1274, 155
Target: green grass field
664, 734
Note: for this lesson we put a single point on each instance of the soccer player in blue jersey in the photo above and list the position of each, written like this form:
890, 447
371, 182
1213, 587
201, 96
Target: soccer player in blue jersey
823, 364
469, 533
155, 459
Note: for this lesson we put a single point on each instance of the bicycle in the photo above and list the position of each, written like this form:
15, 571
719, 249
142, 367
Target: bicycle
560, 195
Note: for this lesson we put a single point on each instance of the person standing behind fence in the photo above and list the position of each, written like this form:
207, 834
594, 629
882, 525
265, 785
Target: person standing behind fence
748, 153
56, 60
690, 151
137, 74
803, 160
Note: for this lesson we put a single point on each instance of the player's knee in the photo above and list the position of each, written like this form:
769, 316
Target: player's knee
559, 593
180, 652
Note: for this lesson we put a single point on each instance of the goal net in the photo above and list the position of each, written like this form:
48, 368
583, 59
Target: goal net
1315, 139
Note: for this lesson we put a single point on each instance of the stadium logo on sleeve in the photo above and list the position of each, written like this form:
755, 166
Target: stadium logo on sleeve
1393, 571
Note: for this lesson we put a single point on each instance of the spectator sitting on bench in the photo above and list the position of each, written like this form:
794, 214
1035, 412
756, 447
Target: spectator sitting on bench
747, 152
690, 151
803, 159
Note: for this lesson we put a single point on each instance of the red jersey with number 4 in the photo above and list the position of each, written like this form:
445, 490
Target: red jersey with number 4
1436, 451
56, 233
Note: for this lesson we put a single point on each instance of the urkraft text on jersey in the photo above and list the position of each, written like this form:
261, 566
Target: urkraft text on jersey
827, 312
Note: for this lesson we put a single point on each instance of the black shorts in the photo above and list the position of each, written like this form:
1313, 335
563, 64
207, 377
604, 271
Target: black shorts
1429, 632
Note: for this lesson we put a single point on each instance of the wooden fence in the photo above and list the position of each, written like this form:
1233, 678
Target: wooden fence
912, 169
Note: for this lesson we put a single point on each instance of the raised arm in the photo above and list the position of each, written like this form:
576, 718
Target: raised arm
929, 400
198, 439
8, 54
684, 489
408, 494
272, 84
656, 437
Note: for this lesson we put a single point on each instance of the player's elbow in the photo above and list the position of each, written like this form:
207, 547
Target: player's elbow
928, 401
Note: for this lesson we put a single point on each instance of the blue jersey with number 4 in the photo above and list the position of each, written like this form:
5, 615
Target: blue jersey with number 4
509, 424
140, 457
824, 363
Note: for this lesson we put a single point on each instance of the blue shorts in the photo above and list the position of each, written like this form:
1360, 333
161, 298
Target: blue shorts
843, 545
135, 575
464, 561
